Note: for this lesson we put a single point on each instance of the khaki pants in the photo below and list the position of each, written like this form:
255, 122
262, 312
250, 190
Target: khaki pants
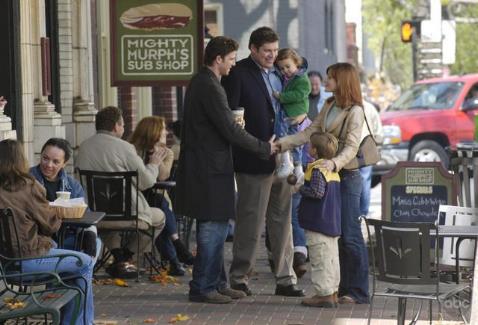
324, 262
113, 239
262, 198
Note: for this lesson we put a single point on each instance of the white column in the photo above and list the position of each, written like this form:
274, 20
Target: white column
83, 103
108, 95
40, 121
145, 102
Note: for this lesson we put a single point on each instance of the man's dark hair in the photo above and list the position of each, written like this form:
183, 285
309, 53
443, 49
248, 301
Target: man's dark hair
221, 46
60, 144
262, 35
107, 118
314, 73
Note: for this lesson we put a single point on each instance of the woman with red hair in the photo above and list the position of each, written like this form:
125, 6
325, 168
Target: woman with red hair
148, 136
342, 116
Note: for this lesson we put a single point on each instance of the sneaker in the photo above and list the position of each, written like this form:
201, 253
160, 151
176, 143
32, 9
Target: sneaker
285, 165
184, 255
176, 269
212, 297
234, 294
299, 172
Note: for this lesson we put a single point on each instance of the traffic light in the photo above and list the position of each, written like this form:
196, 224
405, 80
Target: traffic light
406, 31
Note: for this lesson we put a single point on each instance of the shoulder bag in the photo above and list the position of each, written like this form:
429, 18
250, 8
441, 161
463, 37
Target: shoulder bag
368, 153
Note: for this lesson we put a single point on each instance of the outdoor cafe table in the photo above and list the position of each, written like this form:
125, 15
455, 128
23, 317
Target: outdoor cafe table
90, 218
464, 232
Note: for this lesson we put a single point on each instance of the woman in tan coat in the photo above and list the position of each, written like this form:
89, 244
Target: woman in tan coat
343, 116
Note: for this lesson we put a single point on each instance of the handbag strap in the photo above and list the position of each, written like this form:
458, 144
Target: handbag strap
366, 122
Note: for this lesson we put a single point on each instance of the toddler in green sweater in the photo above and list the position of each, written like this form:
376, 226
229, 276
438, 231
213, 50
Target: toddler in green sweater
295, 103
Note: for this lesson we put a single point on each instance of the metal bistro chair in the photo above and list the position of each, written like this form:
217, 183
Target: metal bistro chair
163, 188
111, 192
401, 256
35, 301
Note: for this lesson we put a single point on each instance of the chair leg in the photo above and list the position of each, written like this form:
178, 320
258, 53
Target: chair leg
415, 318
402, 311
105, 255
138, 239
370, 308
457, 259
430, 311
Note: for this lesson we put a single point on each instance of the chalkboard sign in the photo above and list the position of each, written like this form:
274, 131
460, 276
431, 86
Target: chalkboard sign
413, 191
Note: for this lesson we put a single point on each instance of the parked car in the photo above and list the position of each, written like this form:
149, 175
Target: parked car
430, 116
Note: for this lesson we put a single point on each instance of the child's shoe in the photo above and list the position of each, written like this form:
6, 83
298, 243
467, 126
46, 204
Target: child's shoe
297, 178
285, 165
299, 172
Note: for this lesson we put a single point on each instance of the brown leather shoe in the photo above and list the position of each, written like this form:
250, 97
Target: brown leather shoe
320, 301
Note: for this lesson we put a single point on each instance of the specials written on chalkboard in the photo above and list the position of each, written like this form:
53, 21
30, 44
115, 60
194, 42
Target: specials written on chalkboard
417, 203
413, 192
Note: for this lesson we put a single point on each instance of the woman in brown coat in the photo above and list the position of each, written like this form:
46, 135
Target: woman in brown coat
36, 222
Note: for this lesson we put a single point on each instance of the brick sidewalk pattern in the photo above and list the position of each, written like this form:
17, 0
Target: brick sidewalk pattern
158, 304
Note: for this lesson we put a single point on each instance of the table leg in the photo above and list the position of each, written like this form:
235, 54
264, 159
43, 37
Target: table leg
402, 311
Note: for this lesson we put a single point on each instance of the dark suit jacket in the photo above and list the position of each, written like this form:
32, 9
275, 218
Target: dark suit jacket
205, 174
246, 88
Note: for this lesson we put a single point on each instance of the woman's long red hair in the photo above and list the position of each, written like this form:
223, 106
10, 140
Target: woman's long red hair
347, 92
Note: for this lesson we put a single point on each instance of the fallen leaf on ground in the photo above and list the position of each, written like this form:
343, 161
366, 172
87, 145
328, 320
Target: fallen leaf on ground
178, 318
14, 303
163, 278
149, 321
120, 283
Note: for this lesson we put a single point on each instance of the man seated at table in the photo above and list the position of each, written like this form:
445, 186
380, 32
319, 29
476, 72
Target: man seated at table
106, 151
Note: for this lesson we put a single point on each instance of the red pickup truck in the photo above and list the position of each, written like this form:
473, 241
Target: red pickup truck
430, 116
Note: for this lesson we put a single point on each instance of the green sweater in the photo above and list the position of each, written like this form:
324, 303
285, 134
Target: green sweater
295, 96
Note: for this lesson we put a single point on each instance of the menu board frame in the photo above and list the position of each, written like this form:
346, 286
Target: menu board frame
422, 187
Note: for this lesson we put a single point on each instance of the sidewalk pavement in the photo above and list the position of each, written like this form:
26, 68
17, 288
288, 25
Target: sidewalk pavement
147, 302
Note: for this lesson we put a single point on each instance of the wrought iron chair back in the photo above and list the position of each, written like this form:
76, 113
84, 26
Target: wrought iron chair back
401, 255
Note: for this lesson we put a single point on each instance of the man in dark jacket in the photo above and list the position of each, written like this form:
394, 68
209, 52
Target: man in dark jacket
205, 174
262, 195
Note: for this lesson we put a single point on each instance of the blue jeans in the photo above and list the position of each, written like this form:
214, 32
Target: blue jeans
208, 271
166, 247
69, 265
352, 251
298, 235
366, 173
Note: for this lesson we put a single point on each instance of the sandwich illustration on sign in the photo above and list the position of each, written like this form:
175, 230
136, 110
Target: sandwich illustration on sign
157, 16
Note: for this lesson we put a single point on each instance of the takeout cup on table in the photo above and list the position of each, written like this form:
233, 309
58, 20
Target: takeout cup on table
63, 195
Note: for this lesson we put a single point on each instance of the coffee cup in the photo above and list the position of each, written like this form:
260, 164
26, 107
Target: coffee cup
239, 116
63, 195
